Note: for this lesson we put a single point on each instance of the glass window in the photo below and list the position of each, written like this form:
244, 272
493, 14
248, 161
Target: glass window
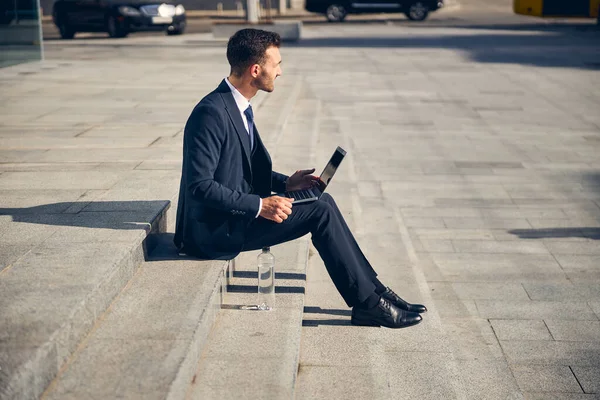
20, 32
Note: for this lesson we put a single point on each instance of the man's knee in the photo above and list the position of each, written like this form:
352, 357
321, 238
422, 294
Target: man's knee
327, 198
324, 205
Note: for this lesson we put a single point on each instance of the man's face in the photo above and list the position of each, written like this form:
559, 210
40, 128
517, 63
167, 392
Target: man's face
270, 70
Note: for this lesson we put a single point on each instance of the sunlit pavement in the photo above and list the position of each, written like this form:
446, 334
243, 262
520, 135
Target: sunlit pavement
472, 182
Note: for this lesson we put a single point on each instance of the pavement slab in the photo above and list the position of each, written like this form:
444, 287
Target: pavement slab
514, 329
535, 310
559, 396
581, 331
563, 291
551, 352
588, 378
541, 378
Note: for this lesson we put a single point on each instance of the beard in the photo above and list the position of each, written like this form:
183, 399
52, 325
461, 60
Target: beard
265, 83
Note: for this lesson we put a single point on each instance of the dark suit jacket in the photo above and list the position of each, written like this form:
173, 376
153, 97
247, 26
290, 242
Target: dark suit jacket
222, 179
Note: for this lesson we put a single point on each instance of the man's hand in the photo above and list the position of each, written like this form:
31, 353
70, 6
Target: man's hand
276, 208
302, 180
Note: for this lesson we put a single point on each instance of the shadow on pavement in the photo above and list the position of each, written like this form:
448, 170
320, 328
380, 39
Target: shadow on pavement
330, 322
95, 214
163, 248
591, 180
550, 49
539, 27
254, 289
278, 275
329, 311
587, 233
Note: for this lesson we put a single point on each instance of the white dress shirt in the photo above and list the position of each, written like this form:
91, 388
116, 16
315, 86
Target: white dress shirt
242, 104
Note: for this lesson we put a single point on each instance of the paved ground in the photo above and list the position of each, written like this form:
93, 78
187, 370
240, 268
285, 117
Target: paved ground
472, 183
474, 187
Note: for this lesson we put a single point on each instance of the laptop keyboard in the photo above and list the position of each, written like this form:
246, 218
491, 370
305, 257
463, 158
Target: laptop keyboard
300, 194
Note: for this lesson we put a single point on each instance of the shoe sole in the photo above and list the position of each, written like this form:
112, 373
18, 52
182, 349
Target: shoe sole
378, 325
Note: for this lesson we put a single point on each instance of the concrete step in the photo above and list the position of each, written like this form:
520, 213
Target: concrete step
153, 341
52, 295
147, 343
254, 354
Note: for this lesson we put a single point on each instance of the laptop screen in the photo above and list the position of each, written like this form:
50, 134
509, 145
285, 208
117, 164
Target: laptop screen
331, 167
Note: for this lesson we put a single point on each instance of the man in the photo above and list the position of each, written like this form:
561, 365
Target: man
225, 201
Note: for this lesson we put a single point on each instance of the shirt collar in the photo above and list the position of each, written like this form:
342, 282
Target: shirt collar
239, 98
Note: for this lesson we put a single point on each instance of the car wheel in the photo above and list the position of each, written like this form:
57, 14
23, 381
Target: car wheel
115, 28
66, 31
417, 11
336, 13
176, 30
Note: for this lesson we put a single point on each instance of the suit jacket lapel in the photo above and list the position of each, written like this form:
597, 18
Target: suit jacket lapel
236, 119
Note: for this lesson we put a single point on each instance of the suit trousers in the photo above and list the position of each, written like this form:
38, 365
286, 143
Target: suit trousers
347, 266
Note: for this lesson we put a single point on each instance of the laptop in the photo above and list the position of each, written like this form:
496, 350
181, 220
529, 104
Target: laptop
313, 194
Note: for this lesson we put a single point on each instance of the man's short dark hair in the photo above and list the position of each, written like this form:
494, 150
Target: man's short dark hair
248, 47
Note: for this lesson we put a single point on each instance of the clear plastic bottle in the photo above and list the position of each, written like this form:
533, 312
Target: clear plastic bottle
266, 280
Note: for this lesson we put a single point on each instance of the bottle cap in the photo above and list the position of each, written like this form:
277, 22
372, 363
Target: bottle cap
266, 249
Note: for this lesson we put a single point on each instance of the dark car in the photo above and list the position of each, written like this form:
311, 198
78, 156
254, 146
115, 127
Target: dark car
117, 17
337, 10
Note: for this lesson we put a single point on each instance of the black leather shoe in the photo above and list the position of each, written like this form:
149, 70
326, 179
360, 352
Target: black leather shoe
401, 304
384, 314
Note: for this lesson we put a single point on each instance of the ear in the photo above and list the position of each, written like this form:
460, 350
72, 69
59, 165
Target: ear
255, 70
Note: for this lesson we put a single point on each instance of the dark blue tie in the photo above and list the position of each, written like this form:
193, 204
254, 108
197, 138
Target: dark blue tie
250, 117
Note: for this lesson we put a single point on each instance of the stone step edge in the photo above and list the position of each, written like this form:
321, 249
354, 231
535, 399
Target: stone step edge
306, 254
187, 368
246, 262
34, 376
217, 286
